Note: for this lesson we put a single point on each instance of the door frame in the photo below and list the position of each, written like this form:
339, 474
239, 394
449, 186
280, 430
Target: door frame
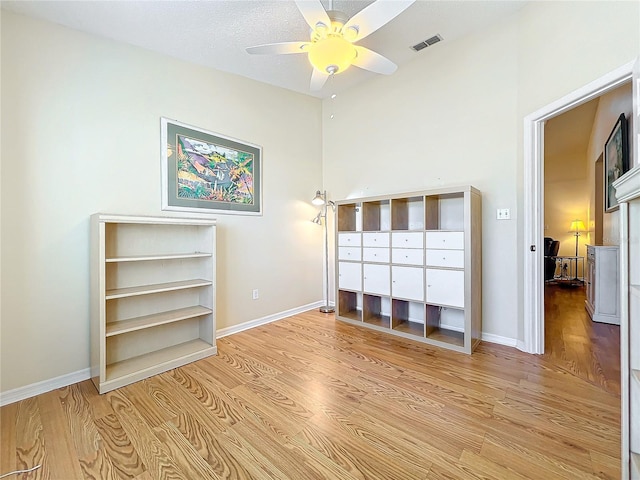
533, 341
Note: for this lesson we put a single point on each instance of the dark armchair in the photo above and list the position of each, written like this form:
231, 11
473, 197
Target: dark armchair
551, 248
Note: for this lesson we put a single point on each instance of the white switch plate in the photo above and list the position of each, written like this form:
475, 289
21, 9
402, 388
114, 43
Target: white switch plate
503, 214
255, 295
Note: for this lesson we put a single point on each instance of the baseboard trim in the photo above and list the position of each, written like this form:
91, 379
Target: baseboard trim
491, 338
44, 386
520, 346
223, 332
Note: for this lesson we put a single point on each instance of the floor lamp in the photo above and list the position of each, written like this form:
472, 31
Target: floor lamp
321, 200
576, 227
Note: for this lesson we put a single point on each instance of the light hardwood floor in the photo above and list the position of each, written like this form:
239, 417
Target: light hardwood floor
590, 350
311, 398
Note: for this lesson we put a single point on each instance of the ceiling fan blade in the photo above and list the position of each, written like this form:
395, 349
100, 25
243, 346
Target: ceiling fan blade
376, 15
374, 62
278, 48
318, 79
313, 12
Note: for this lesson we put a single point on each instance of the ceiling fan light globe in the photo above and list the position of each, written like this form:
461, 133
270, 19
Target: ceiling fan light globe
333, 54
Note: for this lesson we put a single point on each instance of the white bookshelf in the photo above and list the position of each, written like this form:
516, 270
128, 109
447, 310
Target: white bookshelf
152, 296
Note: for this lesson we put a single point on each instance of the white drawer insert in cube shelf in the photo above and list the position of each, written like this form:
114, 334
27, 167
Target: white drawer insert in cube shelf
379, 255
350, 276
407, 256
349, 253
349, 240
407, 239
447, 240
376, 279
375, 239
445, 258
445, 287
407, 282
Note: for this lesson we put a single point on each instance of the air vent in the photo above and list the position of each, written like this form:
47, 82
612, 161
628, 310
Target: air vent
427, 43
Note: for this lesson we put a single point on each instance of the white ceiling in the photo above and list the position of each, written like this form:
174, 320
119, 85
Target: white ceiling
215, 33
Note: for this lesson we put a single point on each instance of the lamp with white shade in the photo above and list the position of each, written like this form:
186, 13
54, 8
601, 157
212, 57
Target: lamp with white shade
577, 227
321, 219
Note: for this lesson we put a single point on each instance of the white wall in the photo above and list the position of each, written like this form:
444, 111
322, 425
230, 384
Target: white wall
455, 115
610, 106
81, 134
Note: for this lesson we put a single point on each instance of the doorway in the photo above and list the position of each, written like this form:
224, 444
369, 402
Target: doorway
534, 200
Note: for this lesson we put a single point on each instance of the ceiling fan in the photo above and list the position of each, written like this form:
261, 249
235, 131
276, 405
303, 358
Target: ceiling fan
331, 49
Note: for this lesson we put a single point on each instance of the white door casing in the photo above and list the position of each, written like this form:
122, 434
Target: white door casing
533, 341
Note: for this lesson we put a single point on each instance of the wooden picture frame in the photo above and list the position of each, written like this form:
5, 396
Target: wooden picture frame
616, 161
205, 172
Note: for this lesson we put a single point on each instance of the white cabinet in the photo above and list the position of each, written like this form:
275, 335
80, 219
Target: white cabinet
407, 282
602, 284
374, 239
349, 240
445, 287
408, 256
445, 240
628, 195
349, 253
444, 258
350, 276
376, 279
375, 255
407, 240
152, 296
420, 265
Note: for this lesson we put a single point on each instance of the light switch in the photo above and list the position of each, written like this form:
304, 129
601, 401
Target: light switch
503, 214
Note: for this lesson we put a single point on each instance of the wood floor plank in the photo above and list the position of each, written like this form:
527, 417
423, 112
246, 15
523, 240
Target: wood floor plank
98, 404
211, 450
354, 455
30, 444
8, 420
605, 466
184, 453
153, 453
84, 433
531, 463
98, 466
594, 435
486, 468
58, 439
118, 447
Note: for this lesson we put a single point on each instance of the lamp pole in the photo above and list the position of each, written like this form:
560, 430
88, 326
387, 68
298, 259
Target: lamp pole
321, 199
326, 308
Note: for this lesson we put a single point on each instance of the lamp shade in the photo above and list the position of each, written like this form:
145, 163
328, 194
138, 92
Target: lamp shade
577, 226
318, 199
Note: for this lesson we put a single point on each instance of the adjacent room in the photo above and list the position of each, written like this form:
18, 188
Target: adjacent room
225, 258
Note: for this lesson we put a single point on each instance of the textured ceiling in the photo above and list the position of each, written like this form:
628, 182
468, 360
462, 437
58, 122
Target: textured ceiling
215, 33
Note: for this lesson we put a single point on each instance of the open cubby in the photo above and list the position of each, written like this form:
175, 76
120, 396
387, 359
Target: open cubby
349, 305
442, 325
407, 317
375, 216
444, 212
347, 215
375, 310
407, 213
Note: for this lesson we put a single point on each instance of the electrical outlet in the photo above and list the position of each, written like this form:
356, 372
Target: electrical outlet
255, 294
503, 214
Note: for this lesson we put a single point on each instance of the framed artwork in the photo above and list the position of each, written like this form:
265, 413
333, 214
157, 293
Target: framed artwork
616, 161
205, 172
